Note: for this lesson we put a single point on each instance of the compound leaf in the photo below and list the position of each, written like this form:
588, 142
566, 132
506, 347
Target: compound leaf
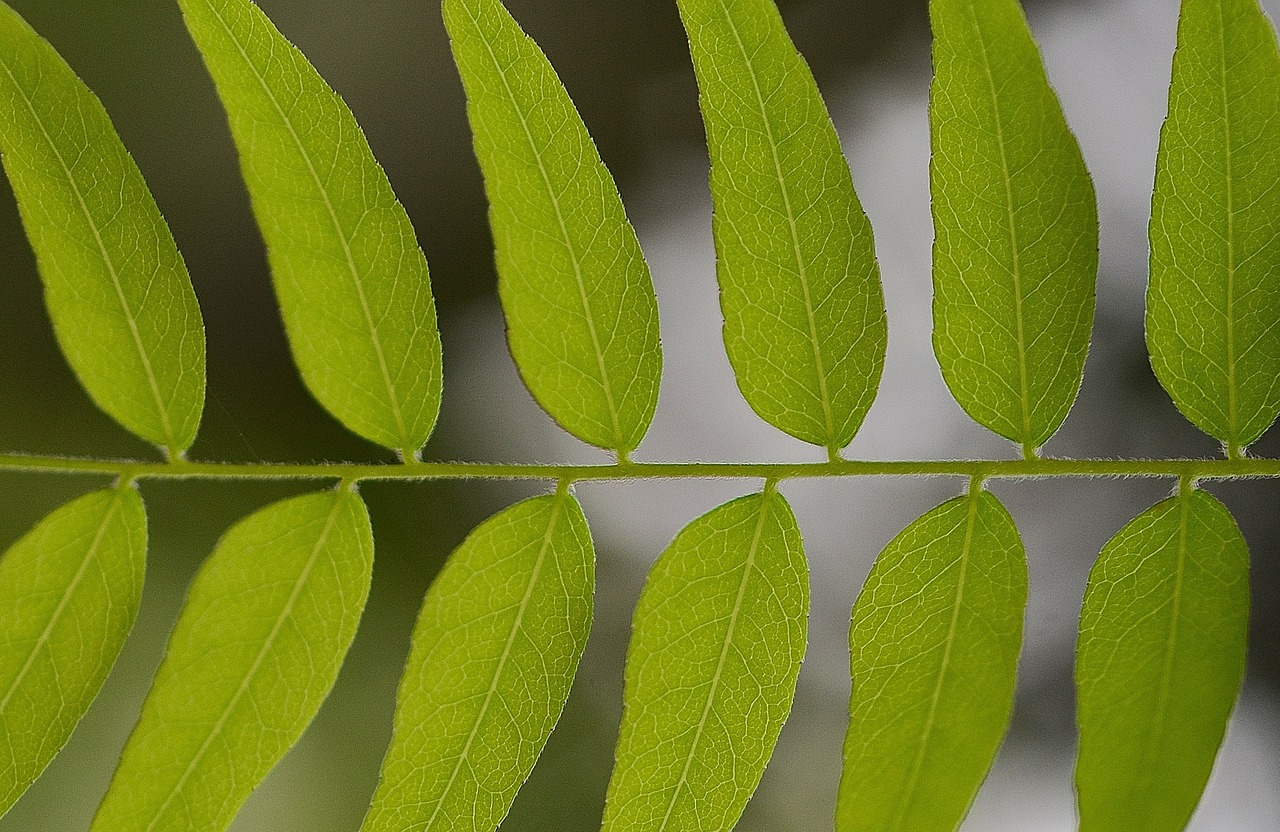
1213, 303
934, 651
1159, 663
804, 317
1015, 256
351, 280
69, 593
716, 645
494, 654
117, 290
255, 651
582, 319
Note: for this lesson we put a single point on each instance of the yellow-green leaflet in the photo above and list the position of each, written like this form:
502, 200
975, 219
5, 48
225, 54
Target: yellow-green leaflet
715, 651
582, 319
1159, 664
351, 280
69, 592
1015, 254
934, 651
804, 319
1213, 305
117, 290
257, 647
494, 654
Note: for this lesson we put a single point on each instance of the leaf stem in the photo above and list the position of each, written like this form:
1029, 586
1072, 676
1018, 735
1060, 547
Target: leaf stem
1195, 469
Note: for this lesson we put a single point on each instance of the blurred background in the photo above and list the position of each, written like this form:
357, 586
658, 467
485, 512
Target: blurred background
625, 63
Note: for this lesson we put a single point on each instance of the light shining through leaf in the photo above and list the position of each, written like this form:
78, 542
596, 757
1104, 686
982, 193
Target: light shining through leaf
715, 652
257, 647
350, 278
582, 318
804, 318
1159, 664
934, 651
69, 594
494, 654
1015, 254
116, 287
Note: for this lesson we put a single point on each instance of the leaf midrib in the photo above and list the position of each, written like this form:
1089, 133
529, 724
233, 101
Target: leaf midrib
135, 334
1233, 449
267, 644
1015, 272
63, 602
356, 276
748, 567
525, 600
1155, 736
620, 442
917, 765
802, 267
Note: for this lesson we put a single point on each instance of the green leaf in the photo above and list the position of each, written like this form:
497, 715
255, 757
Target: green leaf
582, 319
716, 645
1159, 664
255, 651
1213, 304
351, 280
934, 651
494, 654
118, 293
1015, 254
69, 593
804, 319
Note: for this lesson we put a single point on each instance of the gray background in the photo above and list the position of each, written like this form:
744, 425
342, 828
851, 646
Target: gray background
626, 65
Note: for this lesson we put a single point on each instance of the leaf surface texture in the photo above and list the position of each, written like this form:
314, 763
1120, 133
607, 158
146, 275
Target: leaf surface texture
1159, 664
351, 281
804, 317
266, 625
716, 645
69, 594
934, 651
582, 318
117, 290
1213, 303
1015, 255
494, 654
